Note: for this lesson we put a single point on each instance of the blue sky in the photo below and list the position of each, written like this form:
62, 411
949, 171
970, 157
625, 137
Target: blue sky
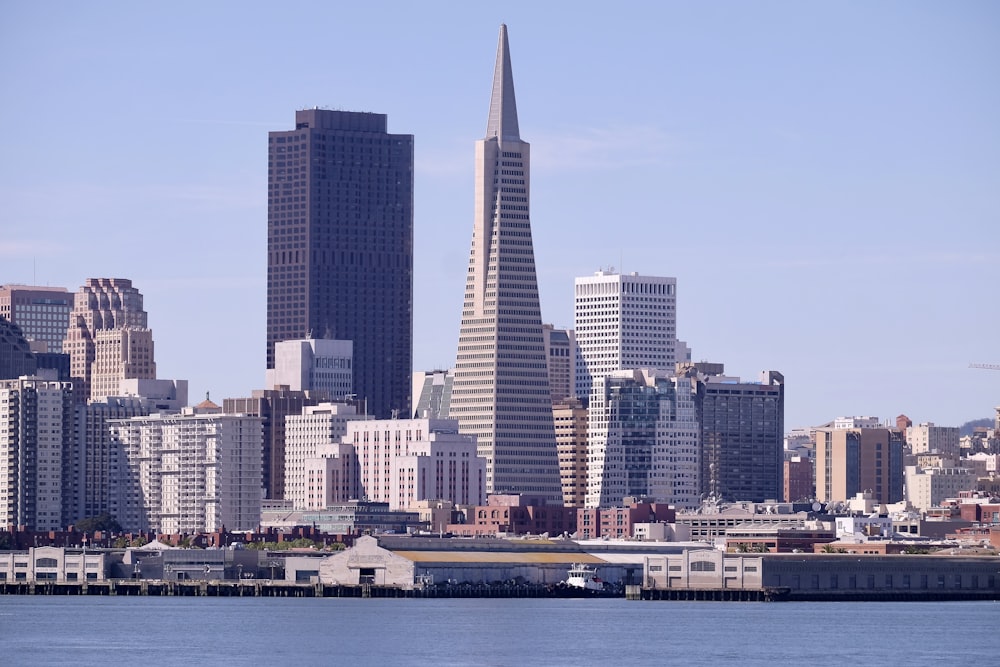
823, 179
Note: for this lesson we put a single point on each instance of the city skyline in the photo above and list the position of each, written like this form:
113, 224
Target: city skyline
820, 180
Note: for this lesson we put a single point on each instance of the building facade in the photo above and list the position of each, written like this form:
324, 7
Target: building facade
501, 390
197, 471
308, 436
623, 322
340, 246
560, 355
16, 358
643, 440
927, 437
853, 461
401, 461
797, 478
108, 339
318, 365
272, 406
432, 394
570, 418
38, 468
42, 313
927, 487
742, 437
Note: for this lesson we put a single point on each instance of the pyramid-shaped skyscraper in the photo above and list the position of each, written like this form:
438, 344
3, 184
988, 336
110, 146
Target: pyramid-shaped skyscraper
501, 386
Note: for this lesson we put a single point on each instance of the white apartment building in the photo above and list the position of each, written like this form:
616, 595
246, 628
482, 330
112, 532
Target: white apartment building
402, 461
927, 487
190, 472
308, 436
643, 440
36, 439
331, 476
623, 322
314, 364
927, 437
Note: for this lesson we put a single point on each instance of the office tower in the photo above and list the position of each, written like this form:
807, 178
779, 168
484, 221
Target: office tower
401, 461
108, 339
340, 246
318, 365
570, 418
36, 460
850, 461
623, 322
501, 389
643, 439
560, 354
197, 471
16, 358
42, 313
272, 406
742, 437
432, 394
312, 434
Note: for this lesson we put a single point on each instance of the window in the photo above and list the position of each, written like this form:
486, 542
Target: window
702, 566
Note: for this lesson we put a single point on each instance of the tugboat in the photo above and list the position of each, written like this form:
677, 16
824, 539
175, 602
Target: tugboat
585, 578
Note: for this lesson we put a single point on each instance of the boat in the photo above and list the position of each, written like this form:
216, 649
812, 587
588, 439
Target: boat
584, 577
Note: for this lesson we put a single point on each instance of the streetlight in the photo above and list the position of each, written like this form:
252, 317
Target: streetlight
239, 569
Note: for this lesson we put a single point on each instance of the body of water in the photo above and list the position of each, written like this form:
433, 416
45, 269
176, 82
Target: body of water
44, 630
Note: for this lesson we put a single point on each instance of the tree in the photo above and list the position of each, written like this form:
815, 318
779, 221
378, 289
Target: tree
102, 522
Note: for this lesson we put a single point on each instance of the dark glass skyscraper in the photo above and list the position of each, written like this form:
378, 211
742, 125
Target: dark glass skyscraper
340, 246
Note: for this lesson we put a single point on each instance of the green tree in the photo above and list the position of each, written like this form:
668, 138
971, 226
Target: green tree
102, 522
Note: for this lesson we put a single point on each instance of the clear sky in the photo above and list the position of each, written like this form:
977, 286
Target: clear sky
823, 179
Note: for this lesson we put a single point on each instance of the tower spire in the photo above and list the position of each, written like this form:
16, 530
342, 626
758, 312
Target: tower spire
503, 109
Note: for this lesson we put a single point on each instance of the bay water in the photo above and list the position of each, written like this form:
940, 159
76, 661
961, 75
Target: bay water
45, 630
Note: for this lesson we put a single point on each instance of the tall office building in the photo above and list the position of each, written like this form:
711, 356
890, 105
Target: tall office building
42, 313
340, 246
501, 389
852, 460
643, 439
560, 354
318, 365
742, 437
623, 322
432, 394
570, 419
16, 358
108, 339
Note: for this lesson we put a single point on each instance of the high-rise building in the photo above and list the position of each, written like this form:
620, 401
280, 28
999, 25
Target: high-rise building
108, 339
927, 437
432, 394
501, 391
623, 322
272, 406
742, 437
570, 419
36, 460
855, 460
318, 365
16, 358
340, 246
197, 471
560, 354
643, 439
797, 477
42, 313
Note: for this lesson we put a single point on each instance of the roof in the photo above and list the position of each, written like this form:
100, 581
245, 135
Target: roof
492, 557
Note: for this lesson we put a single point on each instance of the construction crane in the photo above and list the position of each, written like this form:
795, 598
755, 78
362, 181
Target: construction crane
989, 367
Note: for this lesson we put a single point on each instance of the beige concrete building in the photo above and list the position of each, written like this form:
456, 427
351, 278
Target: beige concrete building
55, 564
927, 487
570, 419
108, 338
851, 461
927, 437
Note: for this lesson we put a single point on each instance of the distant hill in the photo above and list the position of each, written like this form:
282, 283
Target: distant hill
967, 427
